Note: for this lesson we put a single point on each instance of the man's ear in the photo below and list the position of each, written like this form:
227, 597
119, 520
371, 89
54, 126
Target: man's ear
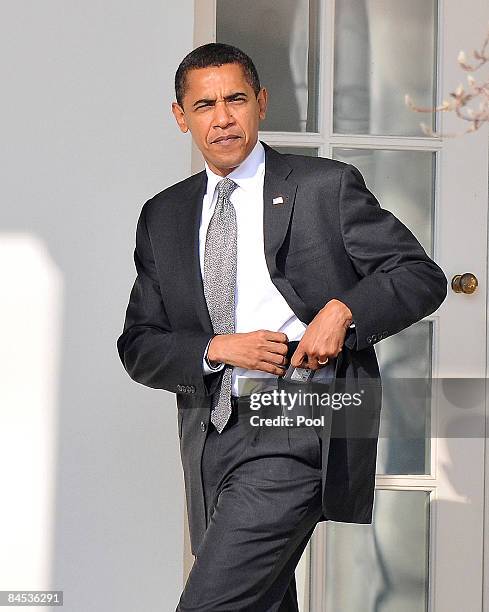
179, 115
262, 98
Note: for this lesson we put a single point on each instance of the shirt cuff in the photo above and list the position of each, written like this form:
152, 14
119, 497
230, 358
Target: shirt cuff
206, 366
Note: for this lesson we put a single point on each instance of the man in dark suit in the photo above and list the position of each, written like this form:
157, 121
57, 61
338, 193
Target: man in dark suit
259, 261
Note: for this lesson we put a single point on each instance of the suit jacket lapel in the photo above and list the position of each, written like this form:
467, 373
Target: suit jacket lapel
279, 196
188, 238
279, 193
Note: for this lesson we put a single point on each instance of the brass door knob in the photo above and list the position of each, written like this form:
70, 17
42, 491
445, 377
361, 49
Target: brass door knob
464, 283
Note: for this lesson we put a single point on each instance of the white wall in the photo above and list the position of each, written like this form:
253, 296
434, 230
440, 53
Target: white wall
90, 474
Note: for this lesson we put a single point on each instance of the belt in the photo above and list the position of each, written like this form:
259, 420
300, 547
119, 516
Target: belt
234, 402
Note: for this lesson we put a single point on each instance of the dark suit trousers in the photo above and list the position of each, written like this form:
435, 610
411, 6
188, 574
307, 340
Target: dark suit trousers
262, 490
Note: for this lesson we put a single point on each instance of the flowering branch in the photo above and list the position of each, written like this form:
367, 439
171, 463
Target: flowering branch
461, 97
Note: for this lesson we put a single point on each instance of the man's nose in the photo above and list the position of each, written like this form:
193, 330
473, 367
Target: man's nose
222, 116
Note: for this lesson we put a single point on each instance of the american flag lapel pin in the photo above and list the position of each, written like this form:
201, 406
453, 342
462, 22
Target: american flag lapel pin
278, 200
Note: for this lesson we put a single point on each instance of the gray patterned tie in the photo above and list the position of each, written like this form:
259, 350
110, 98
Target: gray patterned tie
220, 261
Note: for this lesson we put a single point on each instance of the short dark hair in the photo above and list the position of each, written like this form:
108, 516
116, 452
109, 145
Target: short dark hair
214, 54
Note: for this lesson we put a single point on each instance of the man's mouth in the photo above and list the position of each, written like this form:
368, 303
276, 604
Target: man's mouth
225, 140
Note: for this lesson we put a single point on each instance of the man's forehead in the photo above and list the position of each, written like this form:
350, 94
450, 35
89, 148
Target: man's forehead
226, 79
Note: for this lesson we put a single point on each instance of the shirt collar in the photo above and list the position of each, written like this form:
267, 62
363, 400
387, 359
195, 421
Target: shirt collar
245, 175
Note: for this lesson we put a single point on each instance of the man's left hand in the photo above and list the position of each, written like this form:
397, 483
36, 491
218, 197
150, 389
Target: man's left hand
323, 337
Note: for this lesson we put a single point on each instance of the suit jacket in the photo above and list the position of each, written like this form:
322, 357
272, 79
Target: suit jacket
329, 239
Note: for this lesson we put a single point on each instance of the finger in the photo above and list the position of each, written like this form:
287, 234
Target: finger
277, 347
312, 363
298, 357
264, 366
276, 337
275, 359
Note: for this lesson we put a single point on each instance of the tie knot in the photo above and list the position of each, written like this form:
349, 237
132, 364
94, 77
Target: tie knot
225, 188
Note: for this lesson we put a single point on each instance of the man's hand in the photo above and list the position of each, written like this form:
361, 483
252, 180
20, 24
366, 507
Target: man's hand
259, 350
324, 336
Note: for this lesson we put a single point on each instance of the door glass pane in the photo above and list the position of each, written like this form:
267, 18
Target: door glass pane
384, 49
403, 182
282, 39
405, 361
382, 567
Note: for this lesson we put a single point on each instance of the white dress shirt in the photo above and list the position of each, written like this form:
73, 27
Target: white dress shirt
259, 304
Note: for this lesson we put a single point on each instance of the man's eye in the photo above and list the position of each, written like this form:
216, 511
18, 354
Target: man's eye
238, 100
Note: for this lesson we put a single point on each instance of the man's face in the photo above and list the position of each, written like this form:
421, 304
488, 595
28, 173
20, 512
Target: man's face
223, 114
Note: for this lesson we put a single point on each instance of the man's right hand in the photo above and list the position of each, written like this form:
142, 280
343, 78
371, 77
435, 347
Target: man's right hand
259, 350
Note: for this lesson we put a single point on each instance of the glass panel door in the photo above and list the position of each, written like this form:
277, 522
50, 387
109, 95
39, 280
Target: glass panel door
382, 566
383, 49
404, 183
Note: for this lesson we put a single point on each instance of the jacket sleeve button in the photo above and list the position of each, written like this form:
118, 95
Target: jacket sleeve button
203, 426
